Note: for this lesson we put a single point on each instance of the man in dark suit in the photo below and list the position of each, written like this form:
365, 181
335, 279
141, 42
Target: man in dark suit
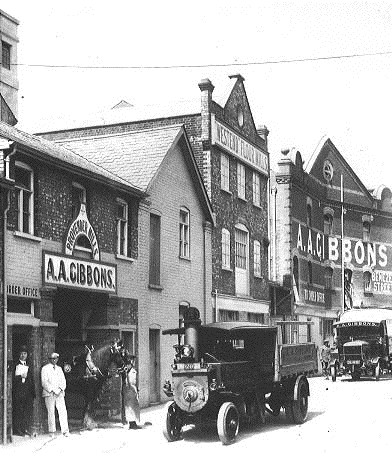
23, 394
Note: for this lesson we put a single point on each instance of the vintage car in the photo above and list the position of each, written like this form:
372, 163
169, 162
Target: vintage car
364, 343
233, 373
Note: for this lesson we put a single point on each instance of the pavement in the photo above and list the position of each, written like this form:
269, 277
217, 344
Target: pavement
78, 438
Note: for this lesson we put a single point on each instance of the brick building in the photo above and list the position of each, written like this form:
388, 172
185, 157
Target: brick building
8, 68
232, 156
79, 265
306, 232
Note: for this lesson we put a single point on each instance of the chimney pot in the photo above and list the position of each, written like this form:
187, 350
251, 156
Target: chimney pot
206, 84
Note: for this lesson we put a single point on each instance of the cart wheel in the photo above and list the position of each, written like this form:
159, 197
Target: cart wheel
228, 423
333, 373
172, 429
377, 371
300, 405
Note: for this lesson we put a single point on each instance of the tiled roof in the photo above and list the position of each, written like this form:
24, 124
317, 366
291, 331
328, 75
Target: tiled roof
59, 153
134, 156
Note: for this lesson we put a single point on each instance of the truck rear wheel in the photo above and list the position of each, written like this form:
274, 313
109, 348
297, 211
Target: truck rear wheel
228, 423
172, 428
377, 371
300, 405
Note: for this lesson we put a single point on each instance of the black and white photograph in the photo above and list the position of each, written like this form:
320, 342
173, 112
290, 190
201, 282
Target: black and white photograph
196, 226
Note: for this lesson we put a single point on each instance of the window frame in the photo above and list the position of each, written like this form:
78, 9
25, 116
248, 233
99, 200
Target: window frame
328, 278
366, 228
155, 252
122, 222
367, 282
310, 273
225, 172
256, 189
226, 245
184, 234
19, 192
256, 258
6, 55
82, 199
241, 181
328, 224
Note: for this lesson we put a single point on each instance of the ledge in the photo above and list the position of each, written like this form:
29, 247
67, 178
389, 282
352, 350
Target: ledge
28, 236
156, 287
124, 258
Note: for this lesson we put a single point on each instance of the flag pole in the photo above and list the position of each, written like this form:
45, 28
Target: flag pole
342, 230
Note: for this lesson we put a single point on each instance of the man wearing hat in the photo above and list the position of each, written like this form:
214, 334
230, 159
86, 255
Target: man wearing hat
23, 394
53, 391
129, 392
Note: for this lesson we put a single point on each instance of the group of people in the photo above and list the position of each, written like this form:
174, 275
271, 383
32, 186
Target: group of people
53, 391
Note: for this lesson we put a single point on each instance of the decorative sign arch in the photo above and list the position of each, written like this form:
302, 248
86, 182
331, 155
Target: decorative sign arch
81, 226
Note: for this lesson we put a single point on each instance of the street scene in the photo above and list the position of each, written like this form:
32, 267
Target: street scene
196, 233
344, 415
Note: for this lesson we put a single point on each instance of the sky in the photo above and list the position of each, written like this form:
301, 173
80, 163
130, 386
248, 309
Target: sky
346, 99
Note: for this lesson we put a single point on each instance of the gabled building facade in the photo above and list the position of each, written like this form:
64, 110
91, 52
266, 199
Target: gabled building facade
232, 156
312, 209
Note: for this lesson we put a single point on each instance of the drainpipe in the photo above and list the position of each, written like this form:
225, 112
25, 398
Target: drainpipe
5, 304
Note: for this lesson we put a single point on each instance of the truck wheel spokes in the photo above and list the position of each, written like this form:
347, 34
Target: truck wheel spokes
228, 423
172, 428
300, 405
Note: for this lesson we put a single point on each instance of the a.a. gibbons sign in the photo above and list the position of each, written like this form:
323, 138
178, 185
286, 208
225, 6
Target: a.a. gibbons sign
77, 273
234, 144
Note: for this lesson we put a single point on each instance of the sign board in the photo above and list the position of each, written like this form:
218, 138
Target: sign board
230, 141
23, 291
77, 273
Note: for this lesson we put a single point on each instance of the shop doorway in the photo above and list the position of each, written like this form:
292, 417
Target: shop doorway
154, 365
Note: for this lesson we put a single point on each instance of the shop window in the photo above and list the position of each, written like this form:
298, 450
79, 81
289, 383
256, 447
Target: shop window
309, 330
310, 273
24, 190
366, 231
225, 248
328, 224
327, 327
257, 258
79, 196
256, 189
256, 317
225, 172
155, 249
241, 181
367, 282
20, 306
184, 233
228, 315
5, 55
328, 278
122, 227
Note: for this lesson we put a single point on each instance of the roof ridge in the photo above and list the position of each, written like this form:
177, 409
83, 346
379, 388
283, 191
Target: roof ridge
118, 134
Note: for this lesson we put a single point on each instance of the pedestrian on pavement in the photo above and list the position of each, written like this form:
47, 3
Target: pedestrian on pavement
129, 393
23, 394
325, 356
53, 392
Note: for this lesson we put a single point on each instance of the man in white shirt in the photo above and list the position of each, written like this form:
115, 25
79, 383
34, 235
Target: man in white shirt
53, 391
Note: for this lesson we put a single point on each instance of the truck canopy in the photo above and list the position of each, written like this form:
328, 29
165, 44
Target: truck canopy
363, 317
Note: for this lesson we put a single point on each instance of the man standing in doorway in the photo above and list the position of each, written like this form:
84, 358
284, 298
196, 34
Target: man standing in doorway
53, 391
23, 394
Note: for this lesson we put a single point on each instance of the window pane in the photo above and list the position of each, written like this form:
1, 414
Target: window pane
122, 228
225, 248
5, 55
256, 189
241, 180
257, 258
155, 249
184, 234
225, 171
241, 241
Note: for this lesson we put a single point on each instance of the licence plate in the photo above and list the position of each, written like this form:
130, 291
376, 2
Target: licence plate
353, 362
188, 366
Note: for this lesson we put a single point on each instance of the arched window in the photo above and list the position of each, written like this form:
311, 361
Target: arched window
257, 259
328, 224
225, 248
367, 282
24, 190
366, 231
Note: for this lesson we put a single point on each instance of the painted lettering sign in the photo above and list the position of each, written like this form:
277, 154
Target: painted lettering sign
356, 252
232, 142
61, 270
81, 227
313, 296
23, 291
381, 282
358, 323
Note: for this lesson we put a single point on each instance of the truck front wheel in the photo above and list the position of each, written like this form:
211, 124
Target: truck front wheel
172, 428
228, 423
300, 405
333, 373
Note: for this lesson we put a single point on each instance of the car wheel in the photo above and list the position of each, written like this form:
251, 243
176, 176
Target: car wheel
228, 423
377, 371
172, 428
300, 405
333, 373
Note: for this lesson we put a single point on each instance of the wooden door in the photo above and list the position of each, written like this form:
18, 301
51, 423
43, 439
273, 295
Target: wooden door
154, 366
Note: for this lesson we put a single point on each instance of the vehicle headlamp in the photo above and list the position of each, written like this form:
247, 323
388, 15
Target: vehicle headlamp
187, 351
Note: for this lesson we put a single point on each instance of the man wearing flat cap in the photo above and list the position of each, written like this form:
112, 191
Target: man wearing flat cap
23, 394
53, 391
